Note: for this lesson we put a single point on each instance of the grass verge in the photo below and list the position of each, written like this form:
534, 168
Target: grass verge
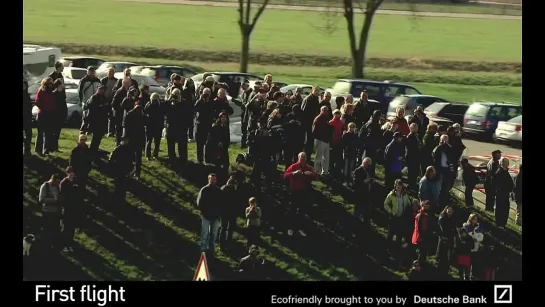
154, 234
398, 37
447, 87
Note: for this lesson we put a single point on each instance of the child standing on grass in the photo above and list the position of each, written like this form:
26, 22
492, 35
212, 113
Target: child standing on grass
350, 150
253, 221
463, 248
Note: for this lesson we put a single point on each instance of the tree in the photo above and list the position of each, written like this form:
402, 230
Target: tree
358, 49
247, 24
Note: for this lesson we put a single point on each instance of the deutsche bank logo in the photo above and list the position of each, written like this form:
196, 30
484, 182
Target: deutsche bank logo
503, 294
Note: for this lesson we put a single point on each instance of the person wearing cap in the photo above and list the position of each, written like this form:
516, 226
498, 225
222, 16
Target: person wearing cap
371, 138
394, 158
177, 83
27, 119
221, 104
455, 141
413, 145
421, 120
126, 75
155, 110
362, 110
179, 119
444, 163
80, 161
216, 150
489, 188
99, 110
57, 73
109, 82
88, 86
503, 182
336, 161
117, 110
311, 109
204, 118
135, 130
122, 164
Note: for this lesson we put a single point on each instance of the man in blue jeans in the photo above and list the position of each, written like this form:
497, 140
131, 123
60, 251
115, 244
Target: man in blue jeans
209, 202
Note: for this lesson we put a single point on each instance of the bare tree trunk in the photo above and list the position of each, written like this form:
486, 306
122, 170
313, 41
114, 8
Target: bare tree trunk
362, 49
245, 51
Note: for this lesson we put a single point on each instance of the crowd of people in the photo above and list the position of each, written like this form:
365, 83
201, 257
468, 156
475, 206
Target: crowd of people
347, 138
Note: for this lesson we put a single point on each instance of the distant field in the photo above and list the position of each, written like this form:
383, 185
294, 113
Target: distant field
71, 21
444, 84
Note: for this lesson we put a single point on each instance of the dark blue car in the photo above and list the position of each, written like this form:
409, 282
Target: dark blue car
481, 118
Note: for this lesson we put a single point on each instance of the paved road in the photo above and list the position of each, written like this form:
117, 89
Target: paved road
329, 9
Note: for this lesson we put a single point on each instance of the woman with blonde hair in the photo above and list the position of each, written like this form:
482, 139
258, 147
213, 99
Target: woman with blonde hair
347, 110
504, 185
45, 118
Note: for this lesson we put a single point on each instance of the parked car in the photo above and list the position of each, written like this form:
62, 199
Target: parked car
305, 89
102, 70
69, 84
154, 87
73, 118
381, 92
74, 73
446, 113
509, 131
162, 73
232, 79
481, 118
409, 103
81, 62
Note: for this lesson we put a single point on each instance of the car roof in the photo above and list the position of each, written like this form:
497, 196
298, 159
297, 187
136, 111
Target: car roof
119, 62
419, 96
372, 82
71, 58
164, 66
75, 68
231, 73
489, 103
299, 85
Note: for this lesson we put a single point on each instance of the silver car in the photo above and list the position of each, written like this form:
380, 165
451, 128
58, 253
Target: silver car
73, 118
154, 87
509, 131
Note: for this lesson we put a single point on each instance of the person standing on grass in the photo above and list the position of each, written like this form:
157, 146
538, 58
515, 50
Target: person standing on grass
179, 119
310, 107
422, 232
322, 133
135, 130
155, 111
362, 110
421, 120
88, 86
363, 185
80, 161
49, 198
447, 235
45, 118
97, 118
27, 120
398, 206
204, 118
61, 112
122, 164
349, 145
430, 189
229, 213
209, 202
126, 75
300, 176
253, 221
117, 111
294, 135
503, 182
401, 122
394, 157
71, 201
371, 139
244, 115
57, 73
470, 179
429, 143
347, 111
109, 82
217, 146
413, 145
464, 244
337, 126
444, 163
518, 196
489, 187
144, 95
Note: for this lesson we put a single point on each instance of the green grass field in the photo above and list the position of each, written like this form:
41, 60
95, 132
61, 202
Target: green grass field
419, 6
71, 21
154, 235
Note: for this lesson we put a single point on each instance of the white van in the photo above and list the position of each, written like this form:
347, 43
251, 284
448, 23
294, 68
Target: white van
39, 61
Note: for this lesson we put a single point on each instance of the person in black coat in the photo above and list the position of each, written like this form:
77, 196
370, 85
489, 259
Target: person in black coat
363, 179
503, 182
294, 135
71, 201
204, 118
210, 202
155, 111
229, 213
447, 234
27, 120
421, 120
372, 140
80, 161
444, 164
413, 144
122, 164
470, 179
135, 130
362, 110
97, 118
126, 76
217, 146
117, 111
518, 196
490, 190
394, 159
221, 104
311, 108
255, 109
61, 112
179, 119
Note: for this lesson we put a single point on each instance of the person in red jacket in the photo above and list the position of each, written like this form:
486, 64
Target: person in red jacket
422, 233
300, 176
401, 122
336, 161
45, 118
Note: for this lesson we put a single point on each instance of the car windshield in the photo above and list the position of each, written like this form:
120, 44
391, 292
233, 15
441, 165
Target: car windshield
435, 107
285, 89
149, 81
78, 74
341, 87
516, 120
477, 110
